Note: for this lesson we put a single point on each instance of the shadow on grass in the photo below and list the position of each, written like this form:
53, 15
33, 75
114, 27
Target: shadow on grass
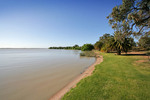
133, 55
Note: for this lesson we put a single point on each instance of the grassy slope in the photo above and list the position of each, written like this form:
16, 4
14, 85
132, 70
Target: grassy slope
116, 78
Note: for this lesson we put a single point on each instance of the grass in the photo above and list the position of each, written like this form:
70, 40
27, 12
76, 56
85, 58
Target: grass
116, 78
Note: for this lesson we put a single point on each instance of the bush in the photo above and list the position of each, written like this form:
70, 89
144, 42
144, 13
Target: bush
88, 54
87, 47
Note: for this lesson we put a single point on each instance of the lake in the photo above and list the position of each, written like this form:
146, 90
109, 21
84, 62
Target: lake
37, 74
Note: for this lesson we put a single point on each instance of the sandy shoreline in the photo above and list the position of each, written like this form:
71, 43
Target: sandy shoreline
72, 84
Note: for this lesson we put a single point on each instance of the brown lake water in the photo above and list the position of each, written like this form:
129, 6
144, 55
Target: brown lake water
37, 74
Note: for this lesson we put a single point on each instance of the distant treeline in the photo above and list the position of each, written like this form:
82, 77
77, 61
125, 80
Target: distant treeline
75, 47
85, 47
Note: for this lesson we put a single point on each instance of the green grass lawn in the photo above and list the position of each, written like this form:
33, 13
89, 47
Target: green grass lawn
116, 78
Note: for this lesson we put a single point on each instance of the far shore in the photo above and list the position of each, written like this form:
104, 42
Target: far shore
72, 84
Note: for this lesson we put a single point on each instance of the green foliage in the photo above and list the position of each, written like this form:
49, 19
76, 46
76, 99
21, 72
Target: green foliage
75, 47
128, 44
144, 42
116, 78
123, 18
129, 14
88, 54
122, 44
87, 47
98, 45
115, 43
104, 43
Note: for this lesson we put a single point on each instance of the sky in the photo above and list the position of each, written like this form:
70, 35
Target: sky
45, 23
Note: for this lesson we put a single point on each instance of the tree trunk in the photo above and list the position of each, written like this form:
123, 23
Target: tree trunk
118, 52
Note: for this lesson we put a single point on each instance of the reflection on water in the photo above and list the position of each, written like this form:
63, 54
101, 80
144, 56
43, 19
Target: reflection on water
36, 74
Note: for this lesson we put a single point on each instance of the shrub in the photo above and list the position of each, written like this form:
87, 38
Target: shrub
88, 54
87, 47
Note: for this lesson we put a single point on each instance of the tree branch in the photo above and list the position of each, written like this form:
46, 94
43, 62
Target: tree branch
132, 26
141, 21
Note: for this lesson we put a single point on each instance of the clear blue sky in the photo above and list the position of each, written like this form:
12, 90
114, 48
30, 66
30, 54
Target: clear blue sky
44, 23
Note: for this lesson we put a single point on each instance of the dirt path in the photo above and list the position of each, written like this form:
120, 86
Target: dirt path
72, 84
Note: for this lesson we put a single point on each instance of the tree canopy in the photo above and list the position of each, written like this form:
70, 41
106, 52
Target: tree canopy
75, 47
131, 14
131, 18
87, 47
144, 42
112, 43
98, 45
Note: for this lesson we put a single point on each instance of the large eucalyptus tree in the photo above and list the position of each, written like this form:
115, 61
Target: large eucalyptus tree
132, 16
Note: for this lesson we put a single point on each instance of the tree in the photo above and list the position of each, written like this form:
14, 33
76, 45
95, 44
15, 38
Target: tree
128, 44
106, 40
122, 25
122, 44
76, 47
130, 14
144, 41
87, 47
98, 45
116, 42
